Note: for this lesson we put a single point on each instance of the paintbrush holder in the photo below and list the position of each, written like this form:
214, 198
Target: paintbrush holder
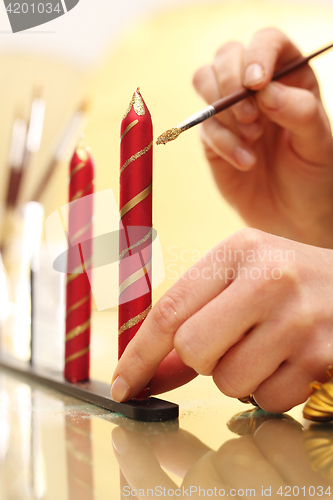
21, 237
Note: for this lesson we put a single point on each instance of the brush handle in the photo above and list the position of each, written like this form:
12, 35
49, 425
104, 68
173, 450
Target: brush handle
232, 99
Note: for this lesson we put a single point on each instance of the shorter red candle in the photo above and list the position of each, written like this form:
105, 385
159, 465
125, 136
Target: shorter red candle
78, 297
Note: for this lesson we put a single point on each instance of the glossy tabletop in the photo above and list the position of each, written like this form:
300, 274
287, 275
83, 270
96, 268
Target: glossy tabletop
56, 447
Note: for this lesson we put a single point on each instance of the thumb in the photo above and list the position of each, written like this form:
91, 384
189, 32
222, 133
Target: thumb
303, 116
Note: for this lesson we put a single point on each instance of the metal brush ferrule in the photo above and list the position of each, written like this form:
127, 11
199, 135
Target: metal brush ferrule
198, 117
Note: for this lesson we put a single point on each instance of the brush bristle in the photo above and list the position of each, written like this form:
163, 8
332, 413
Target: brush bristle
169, 135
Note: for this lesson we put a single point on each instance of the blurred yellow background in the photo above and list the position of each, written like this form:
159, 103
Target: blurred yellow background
158, 52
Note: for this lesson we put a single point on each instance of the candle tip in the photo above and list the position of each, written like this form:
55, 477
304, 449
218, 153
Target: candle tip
84, 106
136, 103
169, 135
82, 149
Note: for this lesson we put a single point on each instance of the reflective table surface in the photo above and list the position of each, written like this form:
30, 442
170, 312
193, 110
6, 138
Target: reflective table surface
56, 447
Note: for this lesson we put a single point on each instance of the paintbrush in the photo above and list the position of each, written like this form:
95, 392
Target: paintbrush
232, 99
65, 146
31, 146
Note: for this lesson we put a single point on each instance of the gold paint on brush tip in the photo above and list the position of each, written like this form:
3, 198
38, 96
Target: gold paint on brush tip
169, 135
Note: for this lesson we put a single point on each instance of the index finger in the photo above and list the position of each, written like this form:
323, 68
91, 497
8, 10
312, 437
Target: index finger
155, 339
268, 50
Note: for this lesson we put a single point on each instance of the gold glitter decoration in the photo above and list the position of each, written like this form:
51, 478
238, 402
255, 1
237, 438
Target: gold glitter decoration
77, 330
319, 406
135, 157
77, 355
134, 277
318, 442
135, 201
136, 103
137, 244
128, 128
134, 321
81, 193
169, 135
77, 304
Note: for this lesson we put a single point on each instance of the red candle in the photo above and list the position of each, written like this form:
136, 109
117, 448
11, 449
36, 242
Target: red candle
79, 453
136, 155
78, 297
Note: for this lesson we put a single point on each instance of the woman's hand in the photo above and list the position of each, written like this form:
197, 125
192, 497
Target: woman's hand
255, 313
271, 154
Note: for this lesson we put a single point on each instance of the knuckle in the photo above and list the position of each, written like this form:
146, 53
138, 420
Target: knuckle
226, 384
270, 31
310, 109
168, 313
274, 35
266, 42
191, 354
138, 360
226, 48
248, 238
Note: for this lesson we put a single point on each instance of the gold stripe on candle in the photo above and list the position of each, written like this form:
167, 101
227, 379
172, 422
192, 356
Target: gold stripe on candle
135, 157
80, 231
145, 238
128, 128
78, 455
83, 485
134, 201
134, 277
77, 330
72, 276
81, 193
76, 169
134, 321
78, 304
78, 270
77, 430
76, 355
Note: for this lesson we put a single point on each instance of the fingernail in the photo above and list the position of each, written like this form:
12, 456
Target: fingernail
271, 96
244, 158
120, 390
120, 441
254, 74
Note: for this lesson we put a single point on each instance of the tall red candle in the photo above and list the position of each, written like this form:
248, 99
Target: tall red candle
136, 160
78, 296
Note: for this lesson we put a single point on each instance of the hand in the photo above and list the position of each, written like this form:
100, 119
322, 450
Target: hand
255, 313
272, 460
271, 154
